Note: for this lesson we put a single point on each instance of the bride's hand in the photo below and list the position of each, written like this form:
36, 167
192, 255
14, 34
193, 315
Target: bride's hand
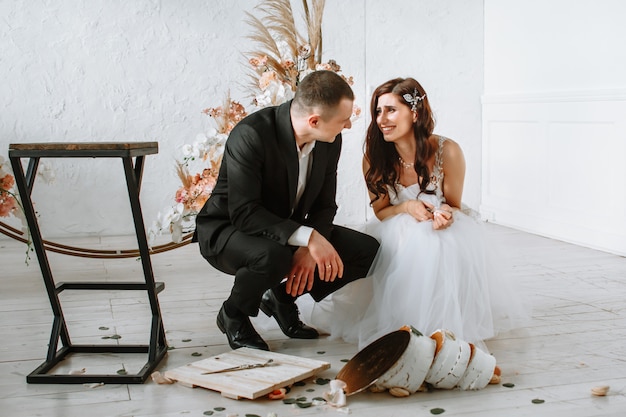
419, 210
443, 217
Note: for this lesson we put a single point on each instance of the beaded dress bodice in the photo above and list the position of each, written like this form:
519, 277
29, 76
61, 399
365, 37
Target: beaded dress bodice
412, 191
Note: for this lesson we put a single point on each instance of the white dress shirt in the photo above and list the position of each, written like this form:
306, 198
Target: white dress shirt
303, 233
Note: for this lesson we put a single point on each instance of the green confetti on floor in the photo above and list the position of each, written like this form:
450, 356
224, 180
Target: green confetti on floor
121, 372
103, 328
219, 408
115, 336
437, 410
508, 385
322, 381
289, 401
299, 384
538, 401
321, 352
196, 354
301, 399
252, 415
186, 340
208, 413
310, 390
345, 360
303, 404
319, 399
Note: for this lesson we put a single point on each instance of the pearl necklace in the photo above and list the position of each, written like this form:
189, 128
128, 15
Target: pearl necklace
405, 164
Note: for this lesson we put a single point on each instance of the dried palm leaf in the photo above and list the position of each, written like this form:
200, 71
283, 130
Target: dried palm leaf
183, 174
263, 37
279, 19
313, 17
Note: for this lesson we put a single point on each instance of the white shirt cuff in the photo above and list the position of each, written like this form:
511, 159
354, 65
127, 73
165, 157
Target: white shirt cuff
301, 236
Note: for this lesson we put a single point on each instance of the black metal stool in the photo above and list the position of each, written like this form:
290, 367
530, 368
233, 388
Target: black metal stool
157, 347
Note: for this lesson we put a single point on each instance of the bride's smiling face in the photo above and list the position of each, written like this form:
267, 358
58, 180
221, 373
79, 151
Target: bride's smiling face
394, 118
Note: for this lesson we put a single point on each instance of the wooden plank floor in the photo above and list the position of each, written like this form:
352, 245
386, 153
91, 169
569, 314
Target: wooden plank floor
577, 339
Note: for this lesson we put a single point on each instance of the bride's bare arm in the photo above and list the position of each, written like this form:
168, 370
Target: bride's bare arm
453, 173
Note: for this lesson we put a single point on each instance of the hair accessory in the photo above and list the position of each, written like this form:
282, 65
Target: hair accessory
414, 99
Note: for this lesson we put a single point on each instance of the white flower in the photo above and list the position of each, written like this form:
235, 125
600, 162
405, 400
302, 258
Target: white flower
274, 94
46, 173
187, 150
177, 231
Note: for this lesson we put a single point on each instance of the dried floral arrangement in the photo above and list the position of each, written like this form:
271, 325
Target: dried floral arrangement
11, 206
281, 58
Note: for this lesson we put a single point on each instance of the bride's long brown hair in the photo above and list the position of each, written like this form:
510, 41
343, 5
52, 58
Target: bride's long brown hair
382, 156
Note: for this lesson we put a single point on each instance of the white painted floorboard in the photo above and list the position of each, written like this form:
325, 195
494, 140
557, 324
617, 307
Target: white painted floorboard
577, 339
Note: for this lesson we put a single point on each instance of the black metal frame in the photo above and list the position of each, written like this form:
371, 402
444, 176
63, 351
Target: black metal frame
157, 347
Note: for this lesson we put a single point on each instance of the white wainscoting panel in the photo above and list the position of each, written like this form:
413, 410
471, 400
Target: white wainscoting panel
554, 164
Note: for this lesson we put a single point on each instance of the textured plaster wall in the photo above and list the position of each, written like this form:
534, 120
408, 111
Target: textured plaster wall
143, 70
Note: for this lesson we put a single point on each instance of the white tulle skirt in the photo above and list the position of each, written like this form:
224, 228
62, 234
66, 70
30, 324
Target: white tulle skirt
430, 279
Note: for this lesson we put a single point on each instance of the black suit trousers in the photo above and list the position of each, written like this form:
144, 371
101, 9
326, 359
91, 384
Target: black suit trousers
259, 264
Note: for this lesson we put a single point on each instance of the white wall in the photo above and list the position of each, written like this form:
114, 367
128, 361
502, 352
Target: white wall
107, 70
554, 119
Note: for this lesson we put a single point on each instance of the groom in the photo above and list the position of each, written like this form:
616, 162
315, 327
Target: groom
269, 220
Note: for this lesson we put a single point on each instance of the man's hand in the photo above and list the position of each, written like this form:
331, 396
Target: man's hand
318, 253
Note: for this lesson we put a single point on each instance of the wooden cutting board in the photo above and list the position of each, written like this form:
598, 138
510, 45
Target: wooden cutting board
247, 383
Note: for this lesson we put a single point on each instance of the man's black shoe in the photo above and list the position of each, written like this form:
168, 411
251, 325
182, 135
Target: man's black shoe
239, 331
287, 316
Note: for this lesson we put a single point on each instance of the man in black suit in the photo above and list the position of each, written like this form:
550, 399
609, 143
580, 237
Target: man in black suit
269, 220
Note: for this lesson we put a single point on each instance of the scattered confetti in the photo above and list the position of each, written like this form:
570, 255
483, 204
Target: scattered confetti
159, 378
122, 372
538, 401
299, 384
508, 385
186, 340
115, 336
310, 390
321, 352
252, 415
600, 391
103, 328
301, 399
437, 410
345, 360
208, 413
322, 381
219, 408
277, 394
304, 404
196, 354
289, 401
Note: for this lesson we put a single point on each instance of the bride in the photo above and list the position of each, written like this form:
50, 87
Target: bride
434, 268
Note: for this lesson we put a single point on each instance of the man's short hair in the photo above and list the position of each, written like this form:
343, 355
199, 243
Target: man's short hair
321, 90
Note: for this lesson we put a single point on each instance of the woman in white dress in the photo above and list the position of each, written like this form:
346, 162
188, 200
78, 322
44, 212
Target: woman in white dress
433, 269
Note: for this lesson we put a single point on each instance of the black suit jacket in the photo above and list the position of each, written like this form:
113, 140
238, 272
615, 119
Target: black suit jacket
256, 189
